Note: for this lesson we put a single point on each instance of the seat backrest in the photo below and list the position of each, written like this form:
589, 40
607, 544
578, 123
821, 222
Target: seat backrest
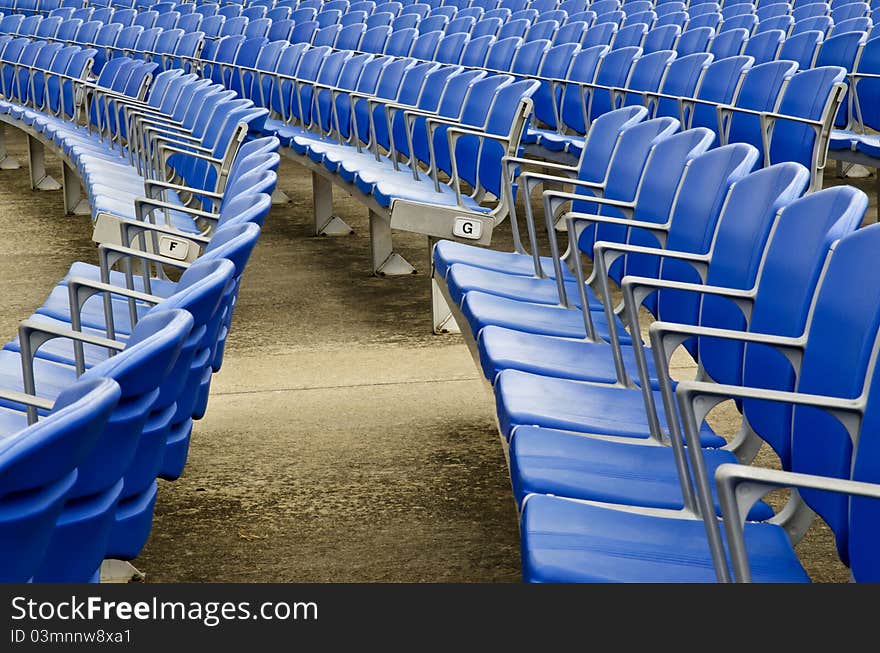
719, 86
629, 36
694, 40
623, 175
211, 25
808, 95
737, 251
783, 23
53, 447
501, 53
575, 99
555, 65
661, 38
477, 50
709, 19
841, 50
743, 21
841, 343
486, 27
657, 190
866, 91
401, 42
789, 276
614, 71
139, 369
729, 43
681, 80
802, 48
375, 38
425, 45
760, 91
678, 18
763, 47
601, 34
646, 75
571, 32
821, 23
451, 48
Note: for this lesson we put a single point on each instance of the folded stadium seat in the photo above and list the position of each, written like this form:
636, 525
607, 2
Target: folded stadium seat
555, 65
645, 77
527, 14
718, 85
543, 30
529, 399
784, 23
406, 21
393, 8
255, 12
704, 8
400, 42
573, 6
326, 35
124, 17
260, 91
601, 34
382, 19
571, 32
486, 27
145, 43
601, 7
476, 50
476, 13
678, 18
39, 464
146, 19
864, 97
245, 59
613, 17
232, 10
821, 23
574, 109
234, 26
629, 36
80, 539
663, 8
425, 45
558, 15
810, 10
65, 13
528, 58
278, 13
862, 24
462, 24
257, 28
421, 10
30, 25
772, 10
690, 228
764, 46
328, 17
760, 92
349, 37
661, 38
648, 17
560, 536
374, 39
588, 17
500, 55
167, 20
312, 4
711, 20
694, 40
190, 22
729, 43
429, 24
841, 50
636, 6
207, 9
614, 71
850, 10
738, 9
451, 48
187, 51
802, 48
303, 15
651, 205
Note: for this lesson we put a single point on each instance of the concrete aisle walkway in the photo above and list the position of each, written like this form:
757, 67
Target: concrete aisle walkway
343, 441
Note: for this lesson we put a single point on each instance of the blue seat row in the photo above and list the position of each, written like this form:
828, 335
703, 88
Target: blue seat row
586, 413
102, 385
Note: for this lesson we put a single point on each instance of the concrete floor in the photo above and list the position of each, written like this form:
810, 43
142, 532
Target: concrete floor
343, 441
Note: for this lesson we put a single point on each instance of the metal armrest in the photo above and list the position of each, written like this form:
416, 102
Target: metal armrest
26, 399
697, 399
167, 185
141, 202
33, 334
741, 486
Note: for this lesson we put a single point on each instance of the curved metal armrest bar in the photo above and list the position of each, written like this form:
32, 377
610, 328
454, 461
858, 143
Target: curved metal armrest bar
33, 334
26, 400
109, 255
741, 486
157, 184
144, 206
453, 134
697, 399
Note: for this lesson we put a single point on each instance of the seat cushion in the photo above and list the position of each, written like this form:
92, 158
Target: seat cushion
564, 541
447, 252
547, 461
481, 310
522, 398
